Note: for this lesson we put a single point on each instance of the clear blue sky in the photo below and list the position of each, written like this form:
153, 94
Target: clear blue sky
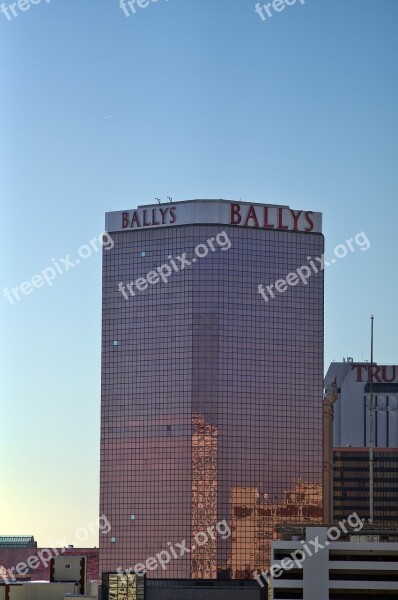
206, 101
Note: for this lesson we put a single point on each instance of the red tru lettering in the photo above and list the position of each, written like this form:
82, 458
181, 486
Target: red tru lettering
378, 373
384, 374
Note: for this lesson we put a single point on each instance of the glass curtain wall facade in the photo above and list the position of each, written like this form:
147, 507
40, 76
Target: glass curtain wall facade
211, 399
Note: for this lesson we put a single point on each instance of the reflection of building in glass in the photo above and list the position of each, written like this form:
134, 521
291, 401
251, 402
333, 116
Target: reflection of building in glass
211, 396
204, 497
255, 517
245, 530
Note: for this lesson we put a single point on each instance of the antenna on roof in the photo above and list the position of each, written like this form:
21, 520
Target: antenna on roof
371, 427
158, 199
169, 199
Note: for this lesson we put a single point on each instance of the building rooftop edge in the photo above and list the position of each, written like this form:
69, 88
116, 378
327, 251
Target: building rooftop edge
363, 362
206, 200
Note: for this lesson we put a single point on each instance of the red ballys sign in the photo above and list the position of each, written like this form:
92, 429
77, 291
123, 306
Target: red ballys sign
149, 217
215, 212
380, 373
271, 217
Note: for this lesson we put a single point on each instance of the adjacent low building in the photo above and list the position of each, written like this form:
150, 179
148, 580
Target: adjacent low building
68, 579
309, 564
25, 564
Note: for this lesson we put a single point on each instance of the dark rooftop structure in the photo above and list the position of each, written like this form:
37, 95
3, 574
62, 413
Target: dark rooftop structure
17, 541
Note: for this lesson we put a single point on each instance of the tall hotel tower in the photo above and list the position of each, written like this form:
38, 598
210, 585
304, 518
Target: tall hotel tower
211, 386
